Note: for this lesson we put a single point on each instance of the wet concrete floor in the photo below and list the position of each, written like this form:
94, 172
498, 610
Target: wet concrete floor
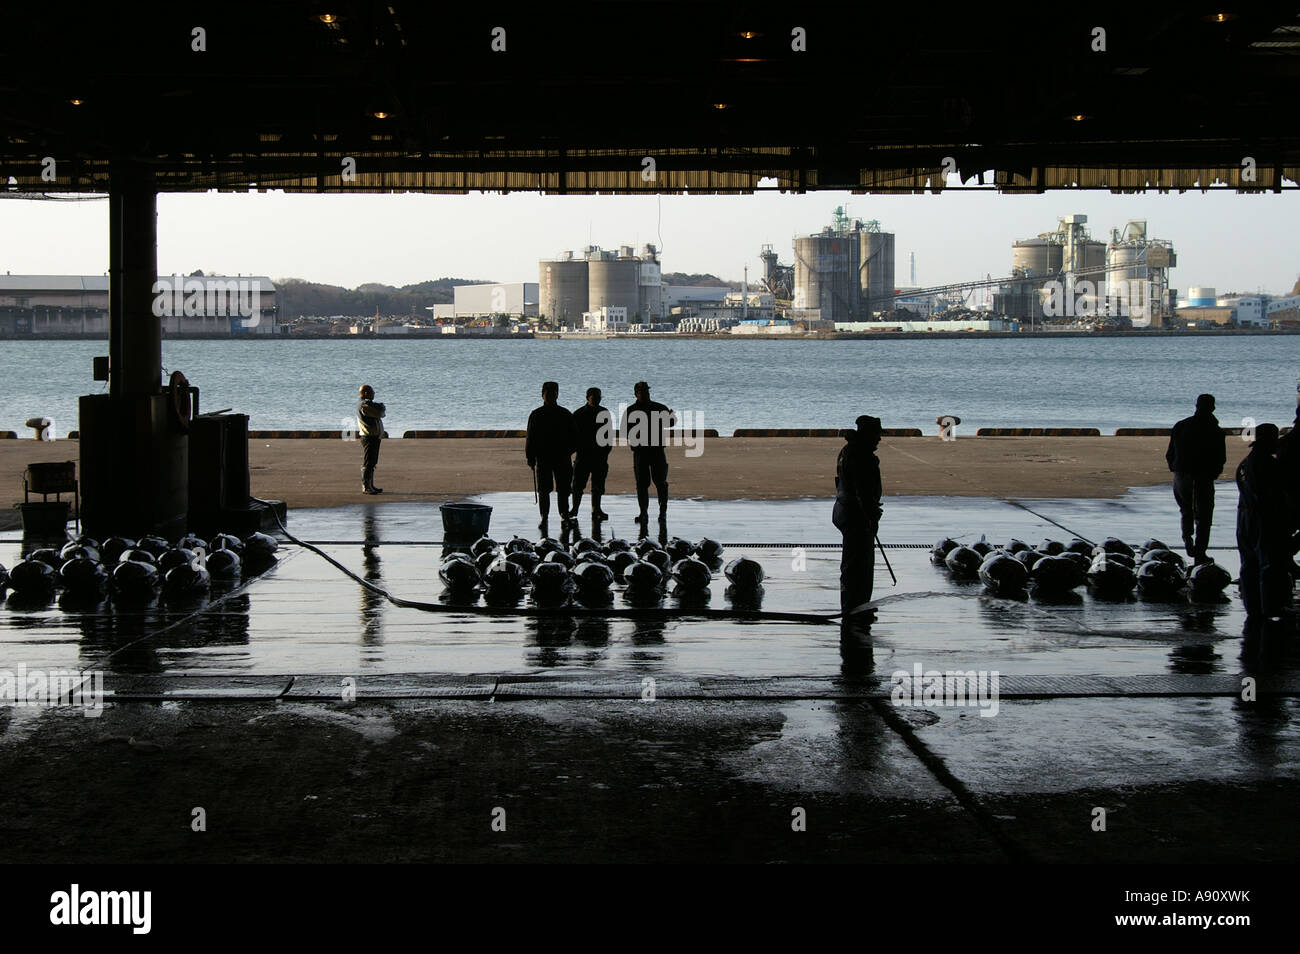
1132, 706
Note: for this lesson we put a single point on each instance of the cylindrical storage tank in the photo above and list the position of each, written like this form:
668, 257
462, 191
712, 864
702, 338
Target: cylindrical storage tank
562, 290
1039, 259
1126, 262
1092, 262
1201, 297
651, 290
876, 272
826, 272
614, 284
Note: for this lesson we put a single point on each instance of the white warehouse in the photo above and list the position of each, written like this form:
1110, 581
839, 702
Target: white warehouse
517, 299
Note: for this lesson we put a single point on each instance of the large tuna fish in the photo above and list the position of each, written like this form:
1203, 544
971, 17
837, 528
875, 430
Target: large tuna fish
133, 579
79, 551
1114, 546
224, 565
504, 578
49, 556
692, 574
113, 548
1004, 574
260, 547
459, 572
643, 576
964, 562
1109, 575
1160, 579
136, 555
617, 545
679, 549
192, 542
560, 557
1057, 574
941, 550
552, 580
519, 544
177, 556
154, 544
526, 560
659, 558
83, 576
186, 579
1208, 581
593, 576
1079, 546
619, 561
1017, 546
32, 577
1164, 556
708, 550
744, 573
483, 545
1051, 547
583, 545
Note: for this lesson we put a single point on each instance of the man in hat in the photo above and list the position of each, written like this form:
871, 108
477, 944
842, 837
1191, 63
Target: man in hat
595, 428
1196, 455
549, 447
645, 427
857, 512
370, 429
1262, 538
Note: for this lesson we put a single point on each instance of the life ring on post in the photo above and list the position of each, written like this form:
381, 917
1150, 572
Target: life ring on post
179, 388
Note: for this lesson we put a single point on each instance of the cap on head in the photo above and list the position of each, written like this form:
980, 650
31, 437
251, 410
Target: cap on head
1205, 402
367, 391
1265, 437
869, 426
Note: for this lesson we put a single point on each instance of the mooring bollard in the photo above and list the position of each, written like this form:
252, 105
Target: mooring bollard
43, 428
947, 426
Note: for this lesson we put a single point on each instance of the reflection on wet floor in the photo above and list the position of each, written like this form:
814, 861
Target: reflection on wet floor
304, 616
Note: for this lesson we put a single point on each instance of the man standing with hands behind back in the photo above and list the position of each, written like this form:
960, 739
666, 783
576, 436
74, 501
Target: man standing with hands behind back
370, 429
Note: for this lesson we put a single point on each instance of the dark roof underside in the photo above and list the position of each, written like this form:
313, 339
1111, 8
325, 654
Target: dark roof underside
584, 93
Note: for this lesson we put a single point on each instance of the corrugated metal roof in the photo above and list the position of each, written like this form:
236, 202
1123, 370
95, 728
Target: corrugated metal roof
99, 283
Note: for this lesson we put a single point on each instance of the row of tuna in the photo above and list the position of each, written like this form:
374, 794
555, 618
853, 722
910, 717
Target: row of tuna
1111, 568
135, 569
589, 569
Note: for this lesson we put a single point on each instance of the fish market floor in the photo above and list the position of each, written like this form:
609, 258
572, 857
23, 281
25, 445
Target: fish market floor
300, 673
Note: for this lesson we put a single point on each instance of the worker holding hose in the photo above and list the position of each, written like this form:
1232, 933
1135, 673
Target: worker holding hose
857, 512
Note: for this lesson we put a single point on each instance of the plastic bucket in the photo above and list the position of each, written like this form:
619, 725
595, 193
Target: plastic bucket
465, 521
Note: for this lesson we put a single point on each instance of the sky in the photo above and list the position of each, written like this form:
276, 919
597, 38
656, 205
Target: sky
1244, 243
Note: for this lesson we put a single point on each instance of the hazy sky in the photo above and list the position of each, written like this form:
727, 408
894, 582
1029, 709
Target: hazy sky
1229, 241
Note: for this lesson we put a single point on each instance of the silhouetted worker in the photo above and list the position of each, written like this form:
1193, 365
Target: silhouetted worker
857, 512
595, 432
1288, 458
1196, 455
370, 428
548, 447
1262, 539
645, 427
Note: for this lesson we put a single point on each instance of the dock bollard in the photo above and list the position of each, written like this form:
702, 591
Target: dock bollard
947, 426
42, 427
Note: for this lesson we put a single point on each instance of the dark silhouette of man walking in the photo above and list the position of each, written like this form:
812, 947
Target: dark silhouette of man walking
549, 444
1196, 455
645, 427
857, 513
595, 433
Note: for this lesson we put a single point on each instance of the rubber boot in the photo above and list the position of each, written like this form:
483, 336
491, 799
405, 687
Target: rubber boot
596, 512
577, 499
663, 503
368, 483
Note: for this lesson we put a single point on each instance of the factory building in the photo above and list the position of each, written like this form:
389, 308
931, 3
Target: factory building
516, 299
606, 318
843, 273
75, 305
572, 285
1065, 274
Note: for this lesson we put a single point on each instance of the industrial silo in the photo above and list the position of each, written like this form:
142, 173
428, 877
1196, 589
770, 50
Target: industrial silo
1038, 259
650, 286
614, 283
826, 275
1092, 264
876, 271
562, 286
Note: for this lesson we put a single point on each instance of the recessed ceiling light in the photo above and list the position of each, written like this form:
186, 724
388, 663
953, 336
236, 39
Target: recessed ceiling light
381, 114
719, 105
76, 102
1220, 17
748, 34
328, 18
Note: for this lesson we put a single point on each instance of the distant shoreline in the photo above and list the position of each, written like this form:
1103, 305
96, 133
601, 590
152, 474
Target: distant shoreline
679, 336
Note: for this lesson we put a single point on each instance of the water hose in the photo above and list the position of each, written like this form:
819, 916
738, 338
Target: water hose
559, 612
